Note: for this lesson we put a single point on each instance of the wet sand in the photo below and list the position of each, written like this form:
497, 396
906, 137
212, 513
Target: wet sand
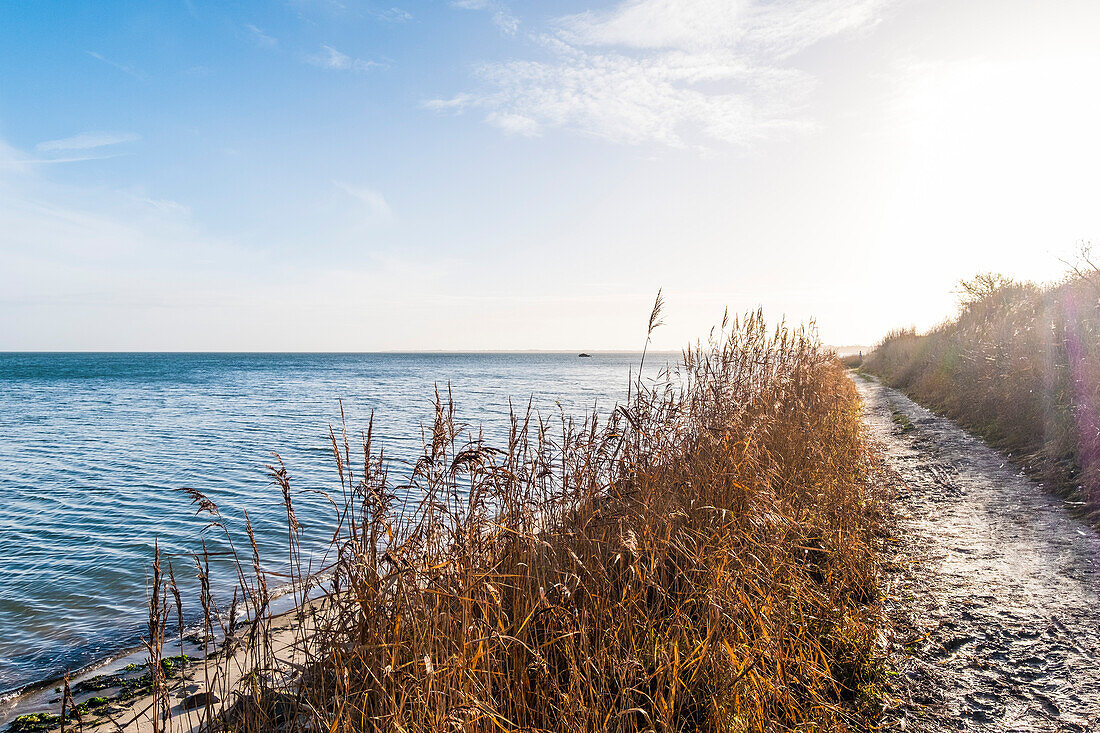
1000, 583
289, 634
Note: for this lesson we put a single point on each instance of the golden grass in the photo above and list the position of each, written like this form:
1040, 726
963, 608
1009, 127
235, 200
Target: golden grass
703, 560
1021, 367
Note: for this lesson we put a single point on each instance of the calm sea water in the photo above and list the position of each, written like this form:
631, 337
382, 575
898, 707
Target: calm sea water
94, 446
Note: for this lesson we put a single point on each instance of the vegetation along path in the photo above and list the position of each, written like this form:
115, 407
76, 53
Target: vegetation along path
1001, 584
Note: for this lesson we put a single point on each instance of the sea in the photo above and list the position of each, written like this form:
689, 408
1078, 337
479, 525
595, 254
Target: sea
95, 447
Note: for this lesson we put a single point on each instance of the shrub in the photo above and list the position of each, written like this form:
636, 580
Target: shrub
1020, 366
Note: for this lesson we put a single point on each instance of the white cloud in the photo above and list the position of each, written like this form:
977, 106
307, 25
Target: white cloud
17, 162
774, 30
502, 16
166, 206
675, 72
372, 201
260, 38
87, 141
392, 15
507, 22
329, 58
514, 124
457, 102
124, 68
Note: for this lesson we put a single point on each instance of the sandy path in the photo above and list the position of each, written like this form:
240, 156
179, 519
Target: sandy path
1002, 584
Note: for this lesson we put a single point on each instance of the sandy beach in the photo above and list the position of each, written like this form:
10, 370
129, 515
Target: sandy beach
114, 694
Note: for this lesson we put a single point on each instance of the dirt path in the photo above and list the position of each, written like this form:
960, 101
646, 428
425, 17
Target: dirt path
1003, 585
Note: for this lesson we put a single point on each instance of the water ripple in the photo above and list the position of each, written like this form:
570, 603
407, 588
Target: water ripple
93, 446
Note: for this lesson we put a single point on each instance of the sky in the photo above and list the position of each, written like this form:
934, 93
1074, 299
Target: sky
322, 175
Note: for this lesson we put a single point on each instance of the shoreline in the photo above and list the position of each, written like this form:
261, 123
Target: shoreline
43, 696
16, 696
191, 673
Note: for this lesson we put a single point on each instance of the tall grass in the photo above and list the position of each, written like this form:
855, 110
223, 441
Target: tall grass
704, 559
1021, 367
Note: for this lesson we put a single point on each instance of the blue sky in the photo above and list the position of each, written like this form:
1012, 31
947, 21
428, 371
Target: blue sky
484, 174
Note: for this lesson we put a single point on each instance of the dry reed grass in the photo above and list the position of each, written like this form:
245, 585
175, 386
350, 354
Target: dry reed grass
703, 560
1020, 366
